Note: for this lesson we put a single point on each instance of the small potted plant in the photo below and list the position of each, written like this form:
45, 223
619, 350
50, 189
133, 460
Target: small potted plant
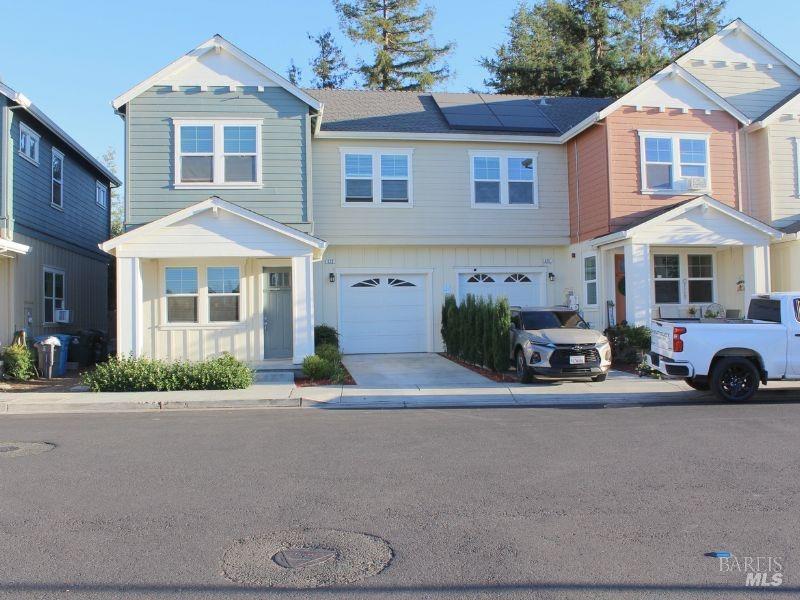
692, 311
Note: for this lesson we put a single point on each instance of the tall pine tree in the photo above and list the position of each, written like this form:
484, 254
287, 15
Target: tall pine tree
641, 40
689, 22
293, 73
406, 57
329, 67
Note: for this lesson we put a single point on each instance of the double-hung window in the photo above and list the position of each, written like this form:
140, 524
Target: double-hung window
674, 163
101, 194
683, 278
701, 277
372, 177
57, 180
182, 293
53, 293
223, 294
29, 143
590, 279
221, 153
503, 179
667, 273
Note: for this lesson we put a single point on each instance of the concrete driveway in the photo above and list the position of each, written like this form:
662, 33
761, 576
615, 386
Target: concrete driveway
407, 370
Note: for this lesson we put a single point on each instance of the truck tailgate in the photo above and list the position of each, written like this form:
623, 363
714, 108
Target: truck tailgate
661, 338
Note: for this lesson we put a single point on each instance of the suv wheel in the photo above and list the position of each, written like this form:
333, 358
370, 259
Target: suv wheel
523, 370
734, 379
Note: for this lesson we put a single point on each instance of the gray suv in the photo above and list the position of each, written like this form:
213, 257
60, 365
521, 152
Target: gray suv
556, 343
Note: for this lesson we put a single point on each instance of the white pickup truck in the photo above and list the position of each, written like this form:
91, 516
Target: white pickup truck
729, 357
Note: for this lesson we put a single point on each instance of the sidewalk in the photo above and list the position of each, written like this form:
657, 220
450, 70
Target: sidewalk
619, 390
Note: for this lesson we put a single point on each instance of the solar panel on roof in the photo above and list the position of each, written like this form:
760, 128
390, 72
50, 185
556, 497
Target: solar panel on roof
478, 112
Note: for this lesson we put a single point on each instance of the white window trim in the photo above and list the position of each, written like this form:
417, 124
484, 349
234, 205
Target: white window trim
202, 295
377, 191
596, 280
23, 128
59, 154
238, 294
683, 276
99, 185
675, 136
797, 167
218, 161
55, 271
504, 156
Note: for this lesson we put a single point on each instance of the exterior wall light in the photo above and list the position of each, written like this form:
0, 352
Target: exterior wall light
551, 276
332, 277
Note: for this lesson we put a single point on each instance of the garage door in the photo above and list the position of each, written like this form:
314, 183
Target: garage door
521, 288
382, 313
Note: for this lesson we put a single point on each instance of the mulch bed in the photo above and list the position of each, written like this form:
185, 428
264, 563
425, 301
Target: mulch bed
57, 384
301, 380
498, 377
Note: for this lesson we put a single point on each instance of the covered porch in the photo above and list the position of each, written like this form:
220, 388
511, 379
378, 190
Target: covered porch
215, 278
9, 251
699, 259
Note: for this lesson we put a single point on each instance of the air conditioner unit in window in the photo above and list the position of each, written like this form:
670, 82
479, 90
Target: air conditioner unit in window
697, 183
63, 315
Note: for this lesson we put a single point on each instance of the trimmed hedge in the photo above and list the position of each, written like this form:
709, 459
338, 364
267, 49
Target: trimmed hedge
146, 375
628, 344
477, 331
325, 334
326, 362
19, 362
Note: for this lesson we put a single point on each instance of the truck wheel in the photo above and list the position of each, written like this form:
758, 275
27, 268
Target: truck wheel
701, 385
523, 370
735, 379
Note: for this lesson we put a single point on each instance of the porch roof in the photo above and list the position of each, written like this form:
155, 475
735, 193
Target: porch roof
214, 227
699, 221
9, 246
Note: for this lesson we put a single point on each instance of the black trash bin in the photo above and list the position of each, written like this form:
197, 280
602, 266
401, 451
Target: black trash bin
91, 348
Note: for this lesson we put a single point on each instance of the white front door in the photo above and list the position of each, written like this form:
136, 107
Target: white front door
521, 288
383, 313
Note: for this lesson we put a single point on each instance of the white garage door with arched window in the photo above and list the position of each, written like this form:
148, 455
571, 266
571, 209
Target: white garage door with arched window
523, 287
384, 313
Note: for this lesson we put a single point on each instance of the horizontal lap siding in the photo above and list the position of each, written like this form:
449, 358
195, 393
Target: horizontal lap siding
81, 222
587, 157
442, 211
627, 202
785, 192
151, 151
758, 180
443, 261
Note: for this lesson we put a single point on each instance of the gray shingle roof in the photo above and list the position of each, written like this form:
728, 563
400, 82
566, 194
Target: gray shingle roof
417, 112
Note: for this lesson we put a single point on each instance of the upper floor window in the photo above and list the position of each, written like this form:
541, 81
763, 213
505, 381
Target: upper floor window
222, 153
57, 188
674, 163
29, 143
376, 177
101, 194
504, 180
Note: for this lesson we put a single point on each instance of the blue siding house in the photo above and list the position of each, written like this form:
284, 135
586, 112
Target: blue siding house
54, 211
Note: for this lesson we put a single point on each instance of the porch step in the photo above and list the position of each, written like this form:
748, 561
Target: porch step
274, 377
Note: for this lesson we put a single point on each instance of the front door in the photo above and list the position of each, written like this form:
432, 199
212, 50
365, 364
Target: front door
277, 312
619, 287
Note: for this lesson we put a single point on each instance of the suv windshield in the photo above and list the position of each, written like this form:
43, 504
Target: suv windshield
552, 319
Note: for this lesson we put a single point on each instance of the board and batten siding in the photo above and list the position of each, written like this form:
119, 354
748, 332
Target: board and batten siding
752, 88
784, 137
6, 289
443, 263
151, 151
784, 258
628, 203
757, 176
587, 162
81, 221
442, 212
85, 281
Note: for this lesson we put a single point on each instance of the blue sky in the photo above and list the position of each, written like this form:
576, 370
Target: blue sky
77, 57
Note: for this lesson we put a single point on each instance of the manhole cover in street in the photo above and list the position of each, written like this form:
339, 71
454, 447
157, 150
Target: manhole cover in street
297, 558
305, 558
15, 449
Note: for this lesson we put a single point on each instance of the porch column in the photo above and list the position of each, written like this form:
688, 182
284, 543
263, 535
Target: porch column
637, 284
130, 323
302, 308
756, 272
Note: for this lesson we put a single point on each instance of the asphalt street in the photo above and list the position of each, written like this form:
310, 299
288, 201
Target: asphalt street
486, 503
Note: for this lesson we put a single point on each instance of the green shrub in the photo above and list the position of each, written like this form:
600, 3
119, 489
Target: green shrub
329, 352
628, 344
19, 362
146, 375
325, 334
477, 331
315, 367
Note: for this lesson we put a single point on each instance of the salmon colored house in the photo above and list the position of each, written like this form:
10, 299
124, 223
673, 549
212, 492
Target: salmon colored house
655, 195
